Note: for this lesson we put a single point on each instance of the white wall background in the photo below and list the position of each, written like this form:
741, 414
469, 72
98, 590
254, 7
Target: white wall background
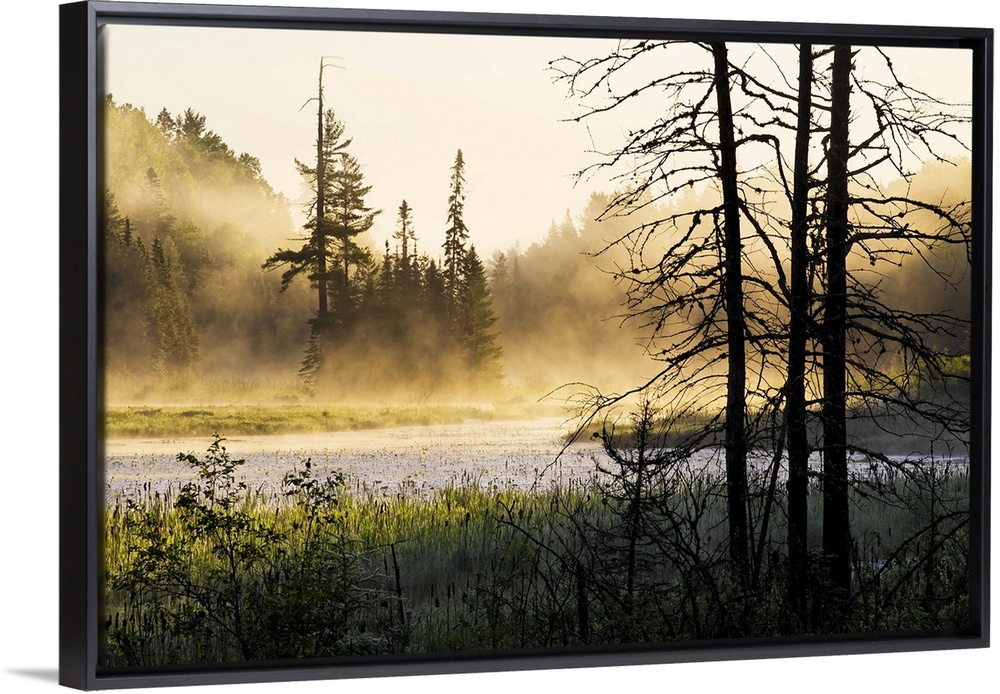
29, 386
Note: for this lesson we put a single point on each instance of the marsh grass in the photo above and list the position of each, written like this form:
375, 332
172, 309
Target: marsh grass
203, 421
325, 568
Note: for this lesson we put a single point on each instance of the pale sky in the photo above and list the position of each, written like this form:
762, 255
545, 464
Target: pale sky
409, 101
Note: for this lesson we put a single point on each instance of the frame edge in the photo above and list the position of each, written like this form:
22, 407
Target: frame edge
78, 521
77, 347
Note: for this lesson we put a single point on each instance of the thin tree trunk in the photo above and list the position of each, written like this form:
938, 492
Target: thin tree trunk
321, 201
735, 438
836, 522
795, 398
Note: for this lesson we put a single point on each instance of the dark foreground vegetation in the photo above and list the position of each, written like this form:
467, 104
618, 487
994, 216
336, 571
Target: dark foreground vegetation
216, 572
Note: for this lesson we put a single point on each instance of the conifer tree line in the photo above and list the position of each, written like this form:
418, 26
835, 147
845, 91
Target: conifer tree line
177, 292
409, 319
404, 319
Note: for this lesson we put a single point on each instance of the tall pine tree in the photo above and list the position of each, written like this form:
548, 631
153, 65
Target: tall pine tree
314, 257
330, 258
456, 234
404, 231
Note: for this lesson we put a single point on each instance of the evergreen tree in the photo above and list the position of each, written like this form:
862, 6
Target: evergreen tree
250, 166
348, 217
435, 304
479, 341
190, 129
125, 289
315, 256
499, 270
338, 214
386, 278
190, 125
166, 123
160, 221
456, 234
404, 231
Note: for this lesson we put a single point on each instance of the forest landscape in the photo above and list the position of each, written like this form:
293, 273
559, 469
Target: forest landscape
711, 382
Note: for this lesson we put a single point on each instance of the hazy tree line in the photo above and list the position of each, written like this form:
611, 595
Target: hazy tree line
410, 323
771, 307
185, 222
184, 297
560, 310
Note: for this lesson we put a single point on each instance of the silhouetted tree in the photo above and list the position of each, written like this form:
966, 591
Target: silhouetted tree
404, 233
736, 332
348, 217
798, 328
456, 234
337, 215
836, 521
699, 276
315, 255
829, 311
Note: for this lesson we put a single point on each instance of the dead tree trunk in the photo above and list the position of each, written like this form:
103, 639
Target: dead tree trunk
836, 523
795, 397
320, 230
735, 434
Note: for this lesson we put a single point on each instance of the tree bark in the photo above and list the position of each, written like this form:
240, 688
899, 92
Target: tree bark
735, 434
795, 397
836, 522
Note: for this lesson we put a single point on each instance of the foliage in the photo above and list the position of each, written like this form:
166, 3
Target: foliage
476, 320
422, 329
233, 583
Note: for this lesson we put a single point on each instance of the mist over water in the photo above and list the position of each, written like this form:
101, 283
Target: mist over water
420, 459
518, 454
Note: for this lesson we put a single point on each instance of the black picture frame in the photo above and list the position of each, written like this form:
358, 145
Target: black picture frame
80, 341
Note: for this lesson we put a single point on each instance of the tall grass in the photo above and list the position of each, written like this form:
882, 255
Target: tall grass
320, 568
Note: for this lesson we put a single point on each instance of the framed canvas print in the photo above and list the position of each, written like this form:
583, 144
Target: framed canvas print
415, 342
